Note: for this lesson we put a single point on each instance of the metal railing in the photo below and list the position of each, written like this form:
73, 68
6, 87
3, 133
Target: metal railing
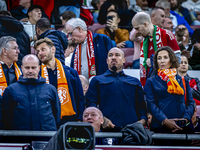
195, 136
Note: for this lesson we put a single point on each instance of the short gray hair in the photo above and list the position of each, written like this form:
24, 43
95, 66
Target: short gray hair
4, 42
163, 3
77, 22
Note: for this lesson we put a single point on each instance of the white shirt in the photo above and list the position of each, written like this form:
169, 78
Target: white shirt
190, 5
84, 60
30, 30
68, 60
174, 21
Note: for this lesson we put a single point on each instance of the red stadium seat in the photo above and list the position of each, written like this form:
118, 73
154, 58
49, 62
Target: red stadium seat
33, 51
195, 26
198, 111
95, 27
128, 54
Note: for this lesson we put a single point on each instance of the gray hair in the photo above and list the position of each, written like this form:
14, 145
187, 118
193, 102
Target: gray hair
163, 3
4, 42
77, 22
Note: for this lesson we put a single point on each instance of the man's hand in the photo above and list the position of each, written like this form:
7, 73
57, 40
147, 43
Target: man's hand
186, 53
171, 124
135, 37
107, 123
197, 46
121, 44
142, 121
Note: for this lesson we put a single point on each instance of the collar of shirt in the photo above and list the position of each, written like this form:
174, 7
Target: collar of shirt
5, 64
112, 73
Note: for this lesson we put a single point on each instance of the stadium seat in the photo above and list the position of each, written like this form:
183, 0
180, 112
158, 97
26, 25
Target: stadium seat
198, 111
195, 26
95, 27
128, 54
33, 51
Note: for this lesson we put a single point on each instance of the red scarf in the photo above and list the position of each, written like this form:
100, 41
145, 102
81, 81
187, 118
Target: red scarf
160, 38
90, 56
168, 75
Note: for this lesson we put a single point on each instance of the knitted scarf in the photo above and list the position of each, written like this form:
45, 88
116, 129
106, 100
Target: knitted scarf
157, 43
145, 46
168, 75
62, 88
3, 82
90, 56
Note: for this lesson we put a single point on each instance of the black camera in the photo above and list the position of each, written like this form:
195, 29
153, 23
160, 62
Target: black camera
73, 135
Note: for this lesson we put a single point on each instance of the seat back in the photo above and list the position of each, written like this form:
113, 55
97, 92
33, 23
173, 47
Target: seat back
128, 54
198, 111
33, 51
195, 26
95, 27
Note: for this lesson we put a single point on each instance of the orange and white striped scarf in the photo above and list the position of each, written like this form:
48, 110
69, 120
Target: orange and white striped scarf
168, 75
90, 56
62, 88
3, 82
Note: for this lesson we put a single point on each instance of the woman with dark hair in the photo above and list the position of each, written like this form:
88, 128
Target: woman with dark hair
121, 7
193, 82
165, 96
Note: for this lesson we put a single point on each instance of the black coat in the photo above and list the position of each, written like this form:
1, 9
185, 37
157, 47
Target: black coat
10, 26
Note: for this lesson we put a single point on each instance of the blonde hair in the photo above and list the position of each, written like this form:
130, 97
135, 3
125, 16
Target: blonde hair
46, 40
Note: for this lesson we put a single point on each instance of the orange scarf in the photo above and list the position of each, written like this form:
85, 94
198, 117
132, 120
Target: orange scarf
62, 88
168, 75
90, 57
3, 82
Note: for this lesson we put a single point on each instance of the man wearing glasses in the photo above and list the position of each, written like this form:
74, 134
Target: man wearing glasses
43, 29
9, 71
89, 57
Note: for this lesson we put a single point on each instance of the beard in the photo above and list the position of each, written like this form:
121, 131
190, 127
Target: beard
49, 57
114, 68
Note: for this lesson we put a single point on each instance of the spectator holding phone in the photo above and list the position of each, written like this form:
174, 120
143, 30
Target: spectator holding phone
120, 37
171, 109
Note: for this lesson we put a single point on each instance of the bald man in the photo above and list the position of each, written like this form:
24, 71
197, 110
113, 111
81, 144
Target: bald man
118, 96
154, 38
158, 16
93, 116
30, 103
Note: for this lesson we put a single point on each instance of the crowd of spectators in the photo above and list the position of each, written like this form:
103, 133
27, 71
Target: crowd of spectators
54, 69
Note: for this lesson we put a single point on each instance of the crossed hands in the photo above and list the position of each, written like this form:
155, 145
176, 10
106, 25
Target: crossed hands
171, 124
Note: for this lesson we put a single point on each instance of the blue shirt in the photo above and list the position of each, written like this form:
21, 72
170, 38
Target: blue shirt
118, 96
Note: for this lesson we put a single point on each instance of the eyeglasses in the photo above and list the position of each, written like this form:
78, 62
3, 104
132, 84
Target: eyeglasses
70, 34
14, 48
